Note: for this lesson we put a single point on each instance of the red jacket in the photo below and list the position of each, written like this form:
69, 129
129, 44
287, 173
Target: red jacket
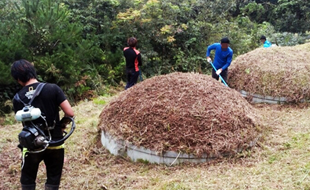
133, 58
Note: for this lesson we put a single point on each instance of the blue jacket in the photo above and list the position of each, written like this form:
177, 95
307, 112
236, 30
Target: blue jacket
222, 58
267, 44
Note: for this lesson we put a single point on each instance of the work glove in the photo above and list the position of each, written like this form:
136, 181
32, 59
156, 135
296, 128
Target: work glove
65, 121
218, 72
209, 59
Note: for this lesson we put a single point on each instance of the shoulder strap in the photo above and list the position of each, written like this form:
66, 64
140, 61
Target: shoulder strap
136, 51
36, 93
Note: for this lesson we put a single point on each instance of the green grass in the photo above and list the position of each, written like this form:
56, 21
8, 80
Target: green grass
99, 101
281, 161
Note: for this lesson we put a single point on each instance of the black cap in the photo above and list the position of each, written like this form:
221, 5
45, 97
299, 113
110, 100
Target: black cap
225, 40
263, 37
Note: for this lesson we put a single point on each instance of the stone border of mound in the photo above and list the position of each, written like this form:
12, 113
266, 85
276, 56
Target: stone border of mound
257, 98
136, 154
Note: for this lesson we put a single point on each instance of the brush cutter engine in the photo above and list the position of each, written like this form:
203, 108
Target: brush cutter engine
32, 135
34, 139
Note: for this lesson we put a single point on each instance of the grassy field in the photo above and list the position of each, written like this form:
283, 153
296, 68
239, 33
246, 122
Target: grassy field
280, 161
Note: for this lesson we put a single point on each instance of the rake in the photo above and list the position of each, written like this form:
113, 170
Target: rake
219, 74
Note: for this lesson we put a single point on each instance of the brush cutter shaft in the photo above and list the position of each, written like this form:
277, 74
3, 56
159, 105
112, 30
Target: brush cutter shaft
69, 119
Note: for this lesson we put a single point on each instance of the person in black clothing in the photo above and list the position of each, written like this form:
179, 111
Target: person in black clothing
48, 101
133, 61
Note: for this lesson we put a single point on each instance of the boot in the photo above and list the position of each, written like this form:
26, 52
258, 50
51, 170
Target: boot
51, 187
29, 187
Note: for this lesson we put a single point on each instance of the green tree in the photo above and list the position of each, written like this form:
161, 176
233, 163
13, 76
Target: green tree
292, 16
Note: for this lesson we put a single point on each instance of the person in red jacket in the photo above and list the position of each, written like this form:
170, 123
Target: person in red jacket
133, 61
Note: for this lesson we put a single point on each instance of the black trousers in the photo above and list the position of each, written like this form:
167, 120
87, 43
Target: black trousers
132, 77
224, 74
53, 160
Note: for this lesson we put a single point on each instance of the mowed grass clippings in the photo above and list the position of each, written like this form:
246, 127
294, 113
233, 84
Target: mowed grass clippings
183, 112
276, 72
9, 155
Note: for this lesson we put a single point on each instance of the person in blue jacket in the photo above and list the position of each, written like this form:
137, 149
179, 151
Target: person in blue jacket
222, 59
266, 43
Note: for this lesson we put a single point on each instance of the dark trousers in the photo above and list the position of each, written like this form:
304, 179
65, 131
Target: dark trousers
53, 160
223, 74
132, 78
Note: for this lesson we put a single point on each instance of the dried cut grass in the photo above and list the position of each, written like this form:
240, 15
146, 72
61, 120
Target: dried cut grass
276, 72
185, 112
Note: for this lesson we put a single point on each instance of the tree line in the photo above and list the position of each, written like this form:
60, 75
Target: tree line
78, 43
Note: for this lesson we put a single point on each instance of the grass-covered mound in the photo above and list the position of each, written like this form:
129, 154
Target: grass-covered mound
276, 72
182, 112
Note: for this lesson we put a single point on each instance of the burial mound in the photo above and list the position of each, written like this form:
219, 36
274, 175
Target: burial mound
276, 72
182, 112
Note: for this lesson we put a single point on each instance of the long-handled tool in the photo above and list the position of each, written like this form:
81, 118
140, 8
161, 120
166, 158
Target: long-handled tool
219, 74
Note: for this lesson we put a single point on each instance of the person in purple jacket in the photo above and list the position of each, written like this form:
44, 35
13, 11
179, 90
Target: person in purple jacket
222, 58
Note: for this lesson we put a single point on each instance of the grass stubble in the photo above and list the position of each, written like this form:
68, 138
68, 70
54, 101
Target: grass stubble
279, 161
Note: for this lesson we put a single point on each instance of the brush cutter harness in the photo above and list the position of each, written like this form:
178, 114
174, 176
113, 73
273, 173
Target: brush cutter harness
32, 135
